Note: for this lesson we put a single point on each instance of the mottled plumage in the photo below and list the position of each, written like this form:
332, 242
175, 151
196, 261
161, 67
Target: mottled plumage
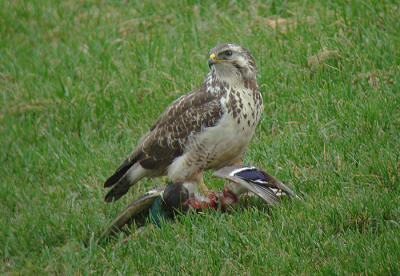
208, 128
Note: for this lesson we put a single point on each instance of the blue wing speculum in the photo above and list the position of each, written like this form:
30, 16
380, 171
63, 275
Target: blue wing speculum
242, 179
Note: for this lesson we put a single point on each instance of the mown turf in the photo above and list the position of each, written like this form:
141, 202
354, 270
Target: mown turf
81, 81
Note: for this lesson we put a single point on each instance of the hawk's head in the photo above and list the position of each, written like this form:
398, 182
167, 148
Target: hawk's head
232, 62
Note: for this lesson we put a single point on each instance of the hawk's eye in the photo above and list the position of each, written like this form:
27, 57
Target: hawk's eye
228, 53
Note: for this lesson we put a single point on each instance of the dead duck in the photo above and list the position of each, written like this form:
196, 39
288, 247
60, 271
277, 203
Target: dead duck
161, 203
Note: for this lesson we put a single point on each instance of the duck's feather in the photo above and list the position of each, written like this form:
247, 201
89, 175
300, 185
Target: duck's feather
132, 211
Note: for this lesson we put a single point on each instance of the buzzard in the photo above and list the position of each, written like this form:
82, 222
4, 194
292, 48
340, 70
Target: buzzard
207, 128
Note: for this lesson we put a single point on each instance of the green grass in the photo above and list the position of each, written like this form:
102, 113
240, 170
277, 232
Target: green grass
81, 81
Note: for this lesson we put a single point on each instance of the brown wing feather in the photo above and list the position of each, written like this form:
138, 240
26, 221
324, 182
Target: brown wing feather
185, 117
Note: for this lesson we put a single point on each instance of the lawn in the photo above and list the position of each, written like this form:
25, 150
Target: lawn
81, 81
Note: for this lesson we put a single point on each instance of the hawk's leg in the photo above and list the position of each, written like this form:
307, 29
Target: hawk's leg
203, 187
198, 178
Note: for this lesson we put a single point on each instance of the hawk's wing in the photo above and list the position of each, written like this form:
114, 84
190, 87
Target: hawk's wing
187, 116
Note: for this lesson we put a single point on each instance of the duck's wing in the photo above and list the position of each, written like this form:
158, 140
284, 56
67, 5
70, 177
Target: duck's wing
238, 185
257, 179
257, 175
133, 210
276, 183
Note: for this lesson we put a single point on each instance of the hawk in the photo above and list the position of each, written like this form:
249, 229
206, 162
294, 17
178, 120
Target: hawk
207, 128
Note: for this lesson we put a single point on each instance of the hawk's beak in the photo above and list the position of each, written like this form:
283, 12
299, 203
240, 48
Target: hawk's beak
212, 60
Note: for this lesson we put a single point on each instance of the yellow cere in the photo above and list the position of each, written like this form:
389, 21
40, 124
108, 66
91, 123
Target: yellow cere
213, 56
